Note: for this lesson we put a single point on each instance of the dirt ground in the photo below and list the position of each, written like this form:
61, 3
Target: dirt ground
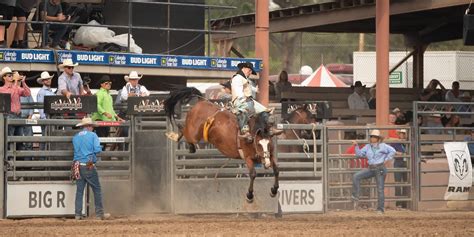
346, 223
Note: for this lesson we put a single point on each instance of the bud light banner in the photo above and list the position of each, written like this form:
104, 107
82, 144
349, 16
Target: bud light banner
125, 59
460, 171
148, 105
75, 104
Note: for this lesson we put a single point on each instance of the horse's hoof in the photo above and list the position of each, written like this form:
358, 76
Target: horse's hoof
249, 197
273, 192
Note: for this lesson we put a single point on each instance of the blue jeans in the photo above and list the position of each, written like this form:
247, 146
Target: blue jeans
379, 173
89, 176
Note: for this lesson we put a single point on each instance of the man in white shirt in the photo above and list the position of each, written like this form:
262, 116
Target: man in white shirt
453, 94
357, 100
132, 88
242, 101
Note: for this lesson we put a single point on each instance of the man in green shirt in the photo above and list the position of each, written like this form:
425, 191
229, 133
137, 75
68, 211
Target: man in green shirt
105, 108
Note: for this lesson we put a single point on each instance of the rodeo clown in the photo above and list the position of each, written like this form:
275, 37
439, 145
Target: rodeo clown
244, 105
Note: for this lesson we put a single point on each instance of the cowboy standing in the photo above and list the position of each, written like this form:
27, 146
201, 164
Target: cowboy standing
378, 154
70, 82
13, 87
45, 80
105, 106
242, 99
132, 88
357, 100
86, 147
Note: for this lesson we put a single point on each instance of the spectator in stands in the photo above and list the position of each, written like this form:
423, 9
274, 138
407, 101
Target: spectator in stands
21, 12
400, 117
226, 94
53, 13
357, 99
453, 94
449, 121
356, 162
105, 108
86, 147
6, 13
69, 82
401, 177
45, 80
433, 121
470, 138
432, 93
13, 86
132, 88
372, 100
379, 155
392, 133
282, 85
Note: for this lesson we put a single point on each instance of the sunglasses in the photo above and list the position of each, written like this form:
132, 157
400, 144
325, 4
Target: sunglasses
108, 83
69, 67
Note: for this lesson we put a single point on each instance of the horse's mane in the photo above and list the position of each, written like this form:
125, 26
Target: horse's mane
260, 124
179, 96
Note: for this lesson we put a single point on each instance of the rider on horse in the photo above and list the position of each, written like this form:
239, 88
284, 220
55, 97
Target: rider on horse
243, 103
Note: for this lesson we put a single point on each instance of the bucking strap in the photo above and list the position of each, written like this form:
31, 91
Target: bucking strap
207, 125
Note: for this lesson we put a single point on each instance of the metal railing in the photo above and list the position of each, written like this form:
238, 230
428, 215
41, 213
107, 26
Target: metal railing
431, 163
131, 27
343, 164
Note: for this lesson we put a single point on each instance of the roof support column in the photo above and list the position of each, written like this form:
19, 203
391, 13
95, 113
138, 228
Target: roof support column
418, 63
382, 42
262, 23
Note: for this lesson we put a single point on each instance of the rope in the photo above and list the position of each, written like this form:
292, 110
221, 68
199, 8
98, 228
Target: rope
305, 143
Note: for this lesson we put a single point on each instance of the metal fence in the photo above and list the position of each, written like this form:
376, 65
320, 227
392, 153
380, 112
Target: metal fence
129, 26
431, 165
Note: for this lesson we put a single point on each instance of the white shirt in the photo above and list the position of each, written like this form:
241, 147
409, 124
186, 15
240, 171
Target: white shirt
241, 87
139, 90
451, 97
357, 101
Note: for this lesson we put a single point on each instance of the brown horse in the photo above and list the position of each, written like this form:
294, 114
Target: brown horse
223, 133
300, 115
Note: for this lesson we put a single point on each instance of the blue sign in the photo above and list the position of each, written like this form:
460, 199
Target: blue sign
125, 59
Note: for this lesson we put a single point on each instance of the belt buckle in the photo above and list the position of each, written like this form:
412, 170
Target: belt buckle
90, 165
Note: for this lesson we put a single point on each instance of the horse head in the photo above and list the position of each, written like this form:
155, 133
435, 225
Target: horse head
302, 115
260, 125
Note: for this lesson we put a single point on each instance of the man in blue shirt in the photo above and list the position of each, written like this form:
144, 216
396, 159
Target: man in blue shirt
86, 146
378, 154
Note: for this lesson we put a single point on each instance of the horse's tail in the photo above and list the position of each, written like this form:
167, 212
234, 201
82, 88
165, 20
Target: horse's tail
182, 95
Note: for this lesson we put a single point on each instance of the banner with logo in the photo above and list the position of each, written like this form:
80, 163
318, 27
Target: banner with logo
125, 59
149, 105
75, 104
460, 171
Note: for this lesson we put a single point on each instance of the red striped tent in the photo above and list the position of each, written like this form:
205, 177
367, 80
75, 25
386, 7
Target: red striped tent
322, 77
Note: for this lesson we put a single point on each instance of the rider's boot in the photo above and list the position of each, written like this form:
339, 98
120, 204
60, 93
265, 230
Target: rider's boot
244, 127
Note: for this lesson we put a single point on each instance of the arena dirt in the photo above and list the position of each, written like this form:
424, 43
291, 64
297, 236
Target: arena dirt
347, 223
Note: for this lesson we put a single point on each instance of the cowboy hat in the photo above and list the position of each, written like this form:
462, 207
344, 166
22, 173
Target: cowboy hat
358, 84
396, 110
68, 63
104, 78
247, 65
85, 121
402, 131
133, 75
375, 133
5, 70
44, 76
226, 84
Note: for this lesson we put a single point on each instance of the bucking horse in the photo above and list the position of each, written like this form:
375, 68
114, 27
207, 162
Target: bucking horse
218, 126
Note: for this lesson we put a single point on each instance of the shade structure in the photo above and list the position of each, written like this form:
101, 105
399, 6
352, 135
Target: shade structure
322, 77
